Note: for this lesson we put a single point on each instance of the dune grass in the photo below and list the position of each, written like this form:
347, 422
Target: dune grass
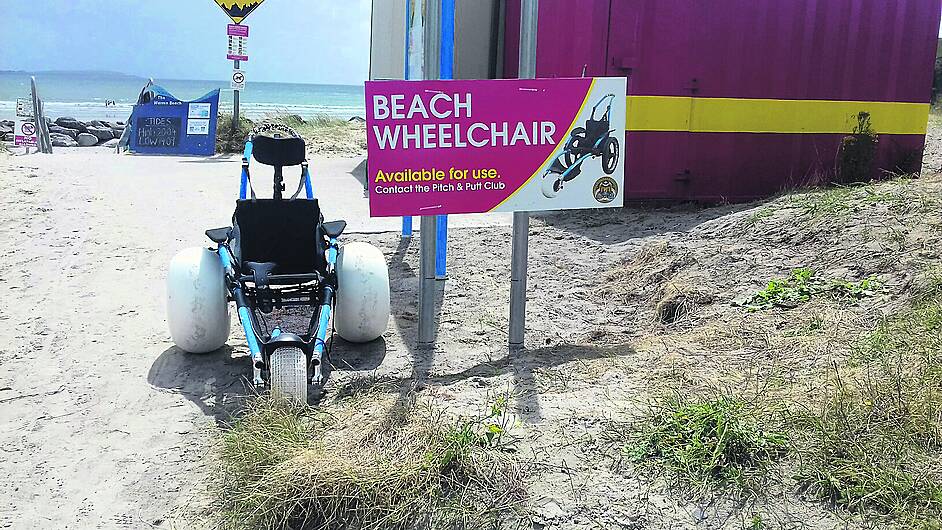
366, 462
875, 443
323, 134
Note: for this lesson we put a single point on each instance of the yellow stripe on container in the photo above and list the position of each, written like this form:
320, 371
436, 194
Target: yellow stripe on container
669, 113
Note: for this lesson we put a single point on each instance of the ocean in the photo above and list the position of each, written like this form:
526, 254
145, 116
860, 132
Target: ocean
82, 95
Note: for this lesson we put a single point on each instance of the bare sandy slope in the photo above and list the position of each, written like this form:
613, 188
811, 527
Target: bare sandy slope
103, 423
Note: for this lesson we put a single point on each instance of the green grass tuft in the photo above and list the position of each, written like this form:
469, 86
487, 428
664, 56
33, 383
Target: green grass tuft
708, 444
802, 285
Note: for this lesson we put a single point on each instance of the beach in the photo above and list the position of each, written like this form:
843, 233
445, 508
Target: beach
106, 424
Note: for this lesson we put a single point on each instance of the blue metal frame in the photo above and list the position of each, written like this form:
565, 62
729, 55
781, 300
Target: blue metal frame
407, 220
446, 68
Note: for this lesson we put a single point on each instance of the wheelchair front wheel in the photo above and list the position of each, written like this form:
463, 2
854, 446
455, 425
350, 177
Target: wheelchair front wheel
551, 186
288, 369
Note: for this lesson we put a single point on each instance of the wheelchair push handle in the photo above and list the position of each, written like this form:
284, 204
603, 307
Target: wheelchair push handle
607, 97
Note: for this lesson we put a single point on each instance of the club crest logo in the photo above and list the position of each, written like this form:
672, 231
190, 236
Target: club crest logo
605, 190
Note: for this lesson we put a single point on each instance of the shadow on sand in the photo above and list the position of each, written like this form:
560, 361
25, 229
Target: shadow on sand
216, 382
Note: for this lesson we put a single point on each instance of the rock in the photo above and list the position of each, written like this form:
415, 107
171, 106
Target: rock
62, 140
87, 139
97, 123
110, 143
72, 133
4, 128
71, 123
103, 133
357, 119
7, 137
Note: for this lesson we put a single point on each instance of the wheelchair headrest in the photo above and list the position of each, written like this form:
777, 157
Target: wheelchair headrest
278, 151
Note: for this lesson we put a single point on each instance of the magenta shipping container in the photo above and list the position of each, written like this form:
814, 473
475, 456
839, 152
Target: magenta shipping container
739, 99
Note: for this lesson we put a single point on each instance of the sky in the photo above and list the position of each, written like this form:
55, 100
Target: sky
290, 41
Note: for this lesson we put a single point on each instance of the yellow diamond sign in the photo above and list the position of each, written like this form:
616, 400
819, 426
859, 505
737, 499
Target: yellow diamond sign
238, 9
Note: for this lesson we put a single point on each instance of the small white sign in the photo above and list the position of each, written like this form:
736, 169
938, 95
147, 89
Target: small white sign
199, 110
25, 133
24, 108
238, 80
197, 126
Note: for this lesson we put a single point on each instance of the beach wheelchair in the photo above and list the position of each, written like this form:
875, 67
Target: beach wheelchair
595, 140
279, 254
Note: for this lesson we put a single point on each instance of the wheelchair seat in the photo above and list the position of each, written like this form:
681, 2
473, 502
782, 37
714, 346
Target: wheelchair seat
287, 233
594, 130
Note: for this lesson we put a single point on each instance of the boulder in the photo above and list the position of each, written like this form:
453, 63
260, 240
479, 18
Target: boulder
102, 133
4, 128
110, 143
62, 140
357, 119
117, 132
71, 133
71, 123
97, 123
85, 139
7, 137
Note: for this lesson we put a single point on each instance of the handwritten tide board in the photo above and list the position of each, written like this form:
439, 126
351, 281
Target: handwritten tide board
159, 131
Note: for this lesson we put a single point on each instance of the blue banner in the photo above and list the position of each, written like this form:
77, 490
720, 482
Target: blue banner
163, 124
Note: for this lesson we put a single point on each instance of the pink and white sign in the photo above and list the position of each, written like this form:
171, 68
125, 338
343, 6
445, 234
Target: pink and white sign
448, 147
237, 30
25, 133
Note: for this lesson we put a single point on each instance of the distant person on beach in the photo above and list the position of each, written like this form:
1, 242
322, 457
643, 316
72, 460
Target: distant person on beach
109, 102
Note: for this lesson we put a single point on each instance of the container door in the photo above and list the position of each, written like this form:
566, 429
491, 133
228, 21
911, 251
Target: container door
649, 42
571, 38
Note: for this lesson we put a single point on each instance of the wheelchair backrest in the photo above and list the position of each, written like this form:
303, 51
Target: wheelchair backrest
595, 129
278, 152
286, 232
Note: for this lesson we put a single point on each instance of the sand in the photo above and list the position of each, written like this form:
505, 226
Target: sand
104, 424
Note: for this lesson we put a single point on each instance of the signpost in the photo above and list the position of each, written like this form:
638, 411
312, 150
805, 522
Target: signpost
238, 34
24, 132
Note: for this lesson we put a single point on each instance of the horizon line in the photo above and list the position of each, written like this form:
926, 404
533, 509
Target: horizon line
135, 76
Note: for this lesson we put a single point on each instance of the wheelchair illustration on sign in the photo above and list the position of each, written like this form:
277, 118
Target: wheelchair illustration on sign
595, 140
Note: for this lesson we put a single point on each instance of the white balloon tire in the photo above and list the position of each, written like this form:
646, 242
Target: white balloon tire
288, 374
549, 187
197, 306
362, 311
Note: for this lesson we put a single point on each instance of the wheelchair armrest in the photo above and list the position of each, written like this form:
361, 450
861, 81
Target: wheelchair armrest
334, 228
219, 235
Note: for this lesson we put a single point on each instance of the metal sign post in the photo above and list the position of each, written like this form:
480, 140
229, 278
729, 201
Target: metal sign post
521, 230
429, 24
